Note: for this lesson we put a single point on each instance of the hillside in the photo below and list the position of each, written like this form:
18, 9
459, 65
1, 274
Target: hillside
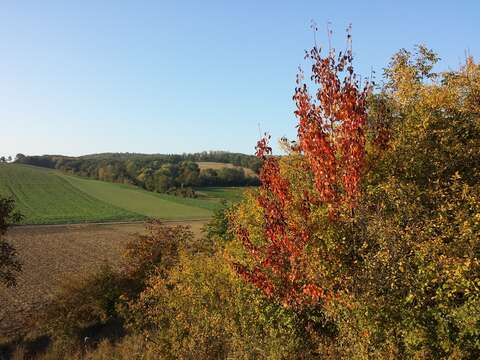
218, 165
143, 202
171, 174
43, 197
47, 196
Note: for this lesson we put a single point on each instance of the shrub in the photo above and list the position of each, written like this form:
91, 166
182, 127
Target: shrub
10, 266
85, 302
385, 262
201, 310
156, 251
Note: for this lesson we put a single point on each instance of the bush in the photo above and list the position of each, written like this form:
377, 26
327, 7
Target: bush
395, 273
156, 251
85, 306
201, 310
10, 265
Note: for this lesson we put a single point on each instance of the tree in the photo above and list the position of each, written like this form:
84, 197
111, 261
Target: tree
208, 177
9, 263
148, 179
19, 157
188, 174
162, 182
369, 228
330, 156
156, 251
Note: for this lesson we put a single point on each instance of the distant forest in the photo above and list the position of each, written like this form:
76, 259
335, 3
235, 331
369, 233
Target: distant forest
165, 173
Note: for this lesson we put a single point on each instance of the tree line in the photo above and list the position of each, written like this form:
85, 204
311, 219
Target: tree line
5, 159
169, 173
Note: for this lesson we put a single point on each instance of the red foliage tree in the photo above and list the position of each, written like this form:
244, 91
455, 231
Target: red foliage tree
331, 141
330, 131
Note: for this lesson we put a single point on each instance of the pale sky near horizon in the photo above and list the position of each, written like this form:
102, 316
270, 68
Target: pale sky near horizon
81, 77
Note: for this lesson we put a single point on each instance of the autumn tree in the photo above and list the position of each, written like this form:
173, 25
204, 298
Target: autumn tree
370, 223
322, 173
156, 249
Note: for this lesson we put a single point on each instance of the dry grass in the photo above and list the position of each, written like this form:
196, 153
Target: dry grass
53, 254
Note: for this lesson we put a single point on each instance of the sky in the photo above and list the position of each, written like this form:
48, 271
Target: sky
82, 77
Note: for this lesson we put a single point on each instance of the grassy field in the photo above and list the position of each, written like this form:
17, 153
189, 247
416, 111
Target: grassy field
216, 194
142, 202
44, 197
47, 196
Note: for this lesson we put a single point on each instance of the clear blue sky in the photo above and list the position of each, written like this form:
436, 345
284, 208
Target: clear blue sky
88, 76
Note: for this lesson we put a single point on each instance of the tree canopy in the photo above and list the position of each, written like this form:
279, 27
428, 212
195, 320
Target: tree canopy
371, 223
161, 173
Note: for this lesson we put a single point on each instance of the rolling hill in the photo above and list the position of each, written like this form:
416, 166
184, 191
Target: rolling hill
218, 165
47, 196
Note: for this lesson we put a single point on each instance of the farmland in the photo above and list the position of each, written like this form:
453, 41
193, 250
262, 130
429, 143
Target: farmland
47, 196
43, 197
53, 254
143, 202
59, 250
218, 193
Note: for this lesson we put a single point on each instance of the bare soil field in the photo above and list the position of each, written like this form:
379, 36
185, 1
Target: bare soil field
52, 254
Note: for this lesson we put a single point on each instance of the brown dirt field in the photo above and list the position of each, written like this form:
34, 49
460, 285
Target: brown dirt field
52, 254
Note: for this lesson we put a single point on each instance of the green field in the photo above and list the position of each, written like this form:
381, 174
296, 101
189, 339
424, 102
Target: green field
44, 197
216, 194
47, 196
140, 201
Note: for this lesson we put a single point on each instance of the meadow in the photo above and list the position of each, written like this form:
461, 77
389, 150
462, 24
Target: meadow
146, 203
47, 196
43, 197
217, 194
